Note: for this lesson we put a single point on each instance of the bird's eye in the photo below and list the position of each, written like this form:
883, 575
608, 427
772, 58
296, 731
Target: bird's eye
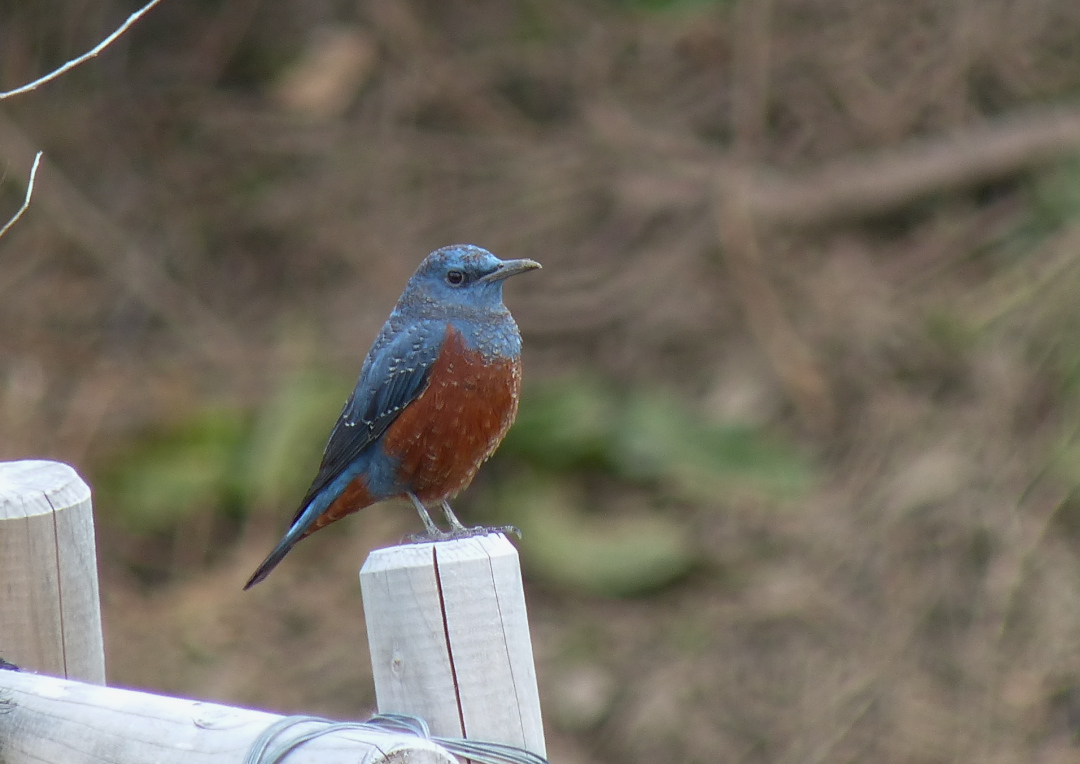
455, 278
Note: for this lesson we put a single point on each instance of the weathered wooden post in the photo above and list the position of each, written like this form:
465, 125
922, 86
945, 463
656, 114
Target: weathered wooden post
50, 614
449, 639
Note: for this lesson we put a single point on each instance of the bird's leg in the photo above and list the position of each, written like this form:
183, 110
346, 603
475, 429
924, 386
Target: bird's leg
455, 524
431, 528
457, 529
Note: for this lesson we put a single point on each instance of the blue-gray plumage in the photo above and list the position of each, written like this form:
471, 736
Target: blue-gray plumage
436, 394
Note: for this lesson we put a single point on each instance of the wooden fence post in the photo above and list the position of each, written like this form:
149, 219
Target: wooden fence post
50, 614
449, 639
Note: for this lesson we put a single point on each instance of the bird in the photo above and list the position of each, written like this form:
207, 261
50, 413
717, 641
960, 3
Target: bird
437, 392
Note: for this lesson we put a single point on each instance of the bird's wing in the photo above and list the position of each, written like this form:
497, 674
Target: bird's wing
393, 376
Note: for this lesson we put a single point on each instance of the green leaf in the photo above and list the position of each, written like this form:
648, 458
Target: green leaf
289, 437
661, 439
565, 424
650, 438
175, 472
618, 556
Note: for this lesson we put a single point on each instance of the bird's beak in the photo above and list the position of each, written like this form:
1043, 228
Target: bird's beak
508, 268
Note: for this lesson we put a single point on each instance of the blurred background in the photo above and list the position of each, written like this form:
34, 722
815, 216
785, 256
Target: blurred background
799, 447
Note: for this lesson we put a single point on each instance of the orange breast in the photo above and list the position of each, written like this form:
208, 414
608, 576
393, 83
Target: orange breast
443, 437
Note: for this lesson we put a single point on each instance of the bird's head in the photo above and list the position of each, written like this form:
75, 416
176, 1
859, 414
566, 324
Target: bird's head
460, 278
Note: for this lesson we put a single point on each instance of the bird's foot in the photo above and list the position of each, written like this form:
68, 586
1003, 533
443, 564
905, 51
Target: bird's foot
5, 666
505, 530
427, 537
461, 532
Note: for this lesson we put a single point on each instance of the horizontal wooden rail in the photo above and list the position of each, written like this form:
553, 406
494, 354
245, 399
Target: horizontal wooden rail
46, 720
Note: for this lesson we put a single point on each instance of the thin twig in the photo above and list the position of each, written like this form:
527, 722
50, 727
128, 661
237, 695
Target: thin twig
85, 56
26, 200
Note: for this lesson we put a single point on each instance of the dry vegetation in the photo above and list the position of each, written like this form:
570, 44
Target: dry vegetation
846, 225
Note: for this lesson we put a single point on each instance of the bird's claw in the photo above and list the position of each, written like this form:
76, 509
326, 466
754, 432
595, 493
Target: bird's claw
5, 666
505, 530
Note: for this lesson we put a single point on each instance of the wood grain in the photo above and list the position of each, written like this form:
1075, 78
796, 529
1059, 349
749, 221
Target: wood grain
449, 639
50, 613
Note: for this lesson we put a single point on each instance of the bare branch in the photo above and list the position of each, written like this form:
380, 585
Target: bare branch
84, 57
26, 200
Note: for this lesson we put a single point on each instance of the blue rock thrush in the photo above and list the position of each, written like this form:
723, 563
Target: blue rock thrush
437, 393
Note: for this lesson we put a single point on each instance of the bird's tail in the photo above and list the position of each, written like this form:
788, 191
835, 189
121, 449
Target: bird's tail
296, 532
271, 561
345, 494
